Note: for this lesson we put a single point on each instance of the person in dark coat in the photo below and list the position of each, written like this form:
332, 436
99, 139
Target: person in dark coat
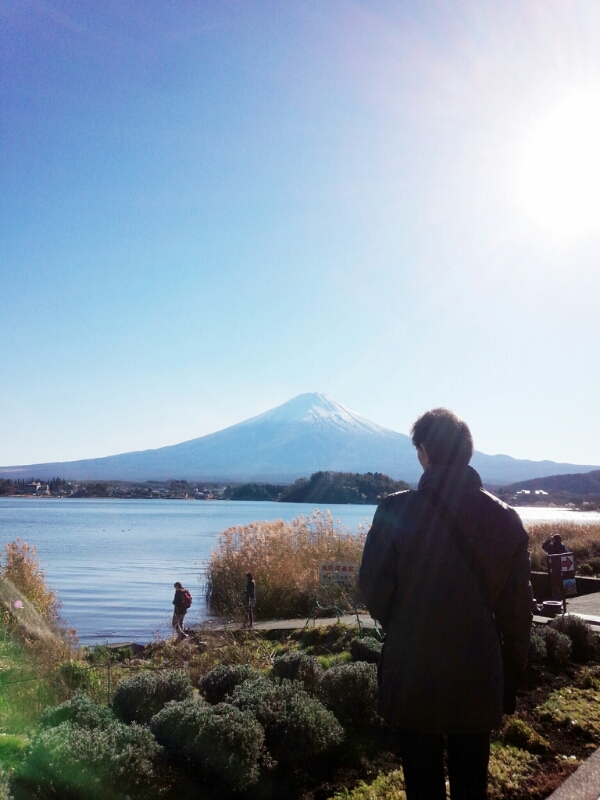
554, 545
446, 572
250, 598
179, 610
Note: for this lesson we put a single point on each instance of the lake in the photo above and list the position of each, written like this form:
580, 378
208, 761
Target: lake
114, 562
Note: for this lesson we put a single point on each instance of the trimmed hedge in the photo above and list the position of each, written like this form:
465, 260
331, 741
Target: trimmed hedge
139, 698
297, 726
220, 739
298, 666
69, 761
80, 710
538, 652
350, 691
220, 682
366, 649
584, 642
558, 647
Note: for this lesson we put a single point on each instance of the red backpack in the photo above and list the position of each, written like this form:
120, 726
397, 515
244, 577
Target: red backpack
187, 599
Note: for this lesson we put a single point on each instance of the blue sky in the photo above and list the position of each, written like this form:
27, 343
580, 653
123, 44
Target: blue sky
208, 208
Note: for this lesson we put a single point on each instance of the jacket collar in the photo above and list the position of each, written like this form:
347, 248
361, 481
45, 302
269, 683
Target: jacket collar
449, 480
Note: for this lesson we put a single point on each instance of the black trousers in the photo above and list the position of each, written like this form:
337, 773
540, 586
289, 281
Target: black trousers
423, 764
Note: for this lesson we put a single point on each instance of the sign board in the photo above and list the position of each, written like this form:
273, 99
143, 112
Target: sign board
341, 572
561, 568
567, 563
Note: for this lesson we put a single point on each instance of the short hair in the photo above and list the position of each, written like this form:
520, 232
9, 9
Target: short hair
445, 436
177, 585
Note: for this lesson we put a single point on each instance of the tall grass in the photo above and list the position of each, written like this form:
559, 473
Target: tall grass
582, 539
35, 651
284, 559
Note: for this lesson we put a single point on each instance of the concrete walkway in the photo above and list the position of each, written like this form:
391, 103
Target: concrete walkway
293, 624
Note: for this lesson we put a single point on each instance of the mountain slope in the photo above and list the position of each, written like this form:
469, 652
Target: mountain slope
309, 433
580, 483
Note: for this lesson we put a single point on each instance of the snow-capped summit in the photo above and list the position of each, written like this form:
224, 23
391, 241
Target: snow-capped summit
316, 409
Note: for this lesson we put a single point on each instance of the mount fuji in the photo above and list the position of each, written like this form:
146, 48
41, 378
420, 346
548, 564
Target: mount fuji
309, 433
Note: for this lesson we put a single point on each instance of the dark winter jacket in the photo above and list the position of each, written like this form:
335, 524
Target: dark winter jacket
179, 601
448, 625
553, 548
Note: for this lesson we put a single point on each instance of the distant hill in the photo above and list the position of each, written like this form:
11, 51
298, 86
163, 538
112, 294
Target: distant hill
310, 433
580, 483
342, 487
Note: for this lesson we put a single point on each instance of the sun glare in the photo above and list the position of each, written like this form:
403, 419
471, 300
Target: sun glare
560, 177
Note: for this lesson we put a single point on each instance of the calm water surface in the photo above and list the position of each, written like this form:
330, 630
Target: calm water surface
114, 562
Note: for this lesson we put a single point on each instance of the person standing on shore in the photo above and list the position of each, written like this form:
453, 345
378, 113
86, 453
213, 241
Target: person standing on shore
250, 596
446, 572
181, 603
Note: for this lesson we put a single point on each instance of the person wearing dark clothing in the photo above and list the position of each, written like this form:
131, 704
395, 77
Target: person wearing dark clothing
446, 572
179, 610
554, 545
250, 597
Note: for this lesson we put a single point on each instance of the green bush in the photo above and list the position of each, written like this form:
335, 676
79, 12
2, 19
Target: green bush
220, 739
366, 649
69, 761
350, 691
79, 711
558, 646
519, 734
584, 642
12, 751
139, 698
538, 652
4, 785
297, 726
220, 682
298, 666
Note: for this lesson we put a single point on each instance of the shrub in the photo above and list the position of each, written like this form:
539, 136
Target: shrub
365, 649
220, 739
71, 761
577, 709
297, 726
79, 711
4, 785
139, 698
538, 651
220, 682
509, 769
298, 666
12, 751
558, 647
284, 558
519, 734
350, 691
584, 642
587, 680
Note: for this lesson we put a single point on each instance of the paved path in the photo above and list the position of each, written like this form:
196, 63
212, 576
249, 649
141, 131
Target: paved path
295, 624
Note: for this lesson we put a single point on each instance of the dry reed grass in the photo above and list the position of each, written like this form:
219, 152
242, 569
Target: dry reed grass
284, 559
35, 651
582, 539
